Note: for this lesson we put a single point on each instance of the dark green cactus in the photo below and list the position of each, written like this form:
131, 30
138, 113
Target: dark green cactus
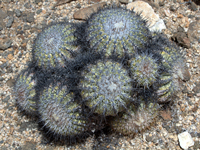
60, 113
116, 30
24, 91
106, 87
55, 45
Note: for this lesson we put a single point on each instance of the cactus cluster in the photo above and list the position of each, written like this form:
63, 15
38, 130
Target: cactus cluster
110, 66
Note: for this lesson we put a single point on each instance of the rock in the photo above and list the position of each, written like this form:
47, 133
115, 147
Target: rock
30, 17
37, 1
124, 1
10, 82
1, 27
172, 8
78, 6
196, 145
5, 100
3, 15
193, 31
193, 6
10, 56
166, 115
93, 1
26, 27
62, 2
10, 13
84, 13
185, 140
158, 26
153, 20
181, 39
10, 22
27, 5
5, 43
196, 89
29, 145
38, 11
18, 12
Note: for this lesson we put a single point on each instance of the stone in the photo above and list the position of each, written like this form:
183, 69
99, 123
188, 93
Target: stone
166, 115
37, 1
193, 6
84, 13
10, 56
29, 145
5, 43
182, 39
153, 20
18, 12
30, 17
3, 14
10, 13
93, 1
124, 1
26, 27
62, 2
185, 140
27, 5
194, 31
10, 82
196, 89
5, 100
10, 22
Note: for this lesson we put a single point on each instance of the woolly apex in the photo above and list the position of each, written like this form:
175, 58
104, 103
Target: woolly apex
55, 45
106, 87
116, 31
60, 113
24, 91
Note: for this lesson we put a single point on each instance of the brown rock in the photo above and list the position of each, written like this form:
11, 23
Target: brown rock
10, 82
186, 74
62, 2
182, 39
10, 56
84, 13
166, 115
3, 60
193, 31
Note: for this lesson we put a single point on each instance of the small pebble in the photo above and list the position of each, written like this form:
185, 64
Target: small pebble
185, 140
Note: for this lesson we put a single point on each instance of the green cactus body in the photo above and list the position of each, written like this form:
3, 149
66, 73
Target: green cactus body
117, 31
144, 69
60, 113
53, 46
171, 82
24, 91
136, 119
106, 87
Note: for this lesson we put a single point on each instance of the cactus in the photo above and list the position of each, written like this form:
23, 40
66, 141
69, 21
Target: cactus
144, 69
74, 93
116, 30
106, 87
55, 45
59, 111
25, 93
174, 69
136, 119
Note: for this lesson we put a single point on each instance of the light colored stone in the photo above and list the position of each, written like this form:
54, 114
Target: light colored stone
185, 140
153, 20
